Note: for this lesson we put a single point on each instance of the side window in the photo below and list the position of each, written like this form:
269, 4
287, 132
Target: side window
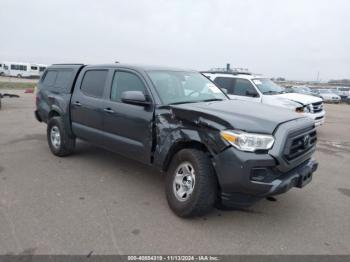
94, 82
50, 78
63, 79
125, 81
225, 82
244, 88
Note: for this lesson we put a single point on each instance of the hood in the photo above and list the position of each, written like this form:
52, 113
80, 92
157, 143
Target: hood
234, 114
299, 98
276, 100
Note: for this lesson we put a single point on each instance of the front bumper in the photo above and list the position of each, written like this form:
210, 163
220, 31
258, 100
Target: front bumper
332, 100
245, 178
319, 118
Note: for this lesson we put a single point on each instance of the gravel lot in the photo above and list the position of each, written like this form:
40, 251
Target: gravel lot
17, 80
96, 201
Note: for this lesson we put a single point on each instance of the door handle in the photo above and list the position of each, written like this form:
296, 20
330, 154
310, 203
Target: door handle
77, 103
108, 110
51, 97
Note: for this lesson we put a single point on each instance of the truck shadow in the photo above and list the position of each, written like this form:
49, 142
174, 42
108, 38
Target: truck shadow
141, 178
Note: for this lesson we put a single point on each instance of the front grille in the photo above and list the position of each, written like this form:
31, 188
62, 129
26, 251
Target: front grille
300, 143
317, 107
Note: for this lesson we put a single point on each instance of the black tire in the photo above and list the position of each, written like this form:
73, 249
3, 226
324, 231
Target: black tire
204, 194
67, 143
19, 76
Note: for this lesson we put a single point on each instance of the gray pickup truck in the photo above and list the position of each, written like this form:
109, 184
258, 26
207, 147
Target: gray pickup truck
213, 150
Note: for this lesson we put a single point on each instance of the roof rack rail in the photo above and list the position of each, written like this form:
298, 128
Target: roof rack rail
218, 72
230, 71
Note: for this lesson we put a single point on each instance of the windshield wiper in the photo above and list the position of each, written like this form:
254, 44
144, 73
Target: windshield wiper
271, 92
211, 99
183, 102
199, 101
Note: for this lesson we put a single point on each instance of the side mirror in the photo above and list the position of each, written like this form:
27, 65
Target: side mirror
135, 98
251, 93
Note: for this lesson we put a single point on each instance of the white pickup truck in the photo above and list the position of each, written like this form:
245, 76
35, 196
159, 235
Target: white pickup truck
255, 88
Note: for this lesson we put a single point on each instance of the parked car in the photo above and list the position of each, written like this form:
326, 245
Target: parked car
329, 96
343, 92
213, 150
254, 88
20, 69
301, 90
347, 100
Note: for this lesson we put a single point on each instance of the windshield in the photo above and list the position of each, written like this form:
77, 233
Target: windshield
267, 87
176, 87
303, 89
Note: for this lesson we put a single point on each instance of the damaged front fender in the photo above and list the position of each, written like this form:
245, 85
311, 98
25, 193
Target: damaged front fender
176, 130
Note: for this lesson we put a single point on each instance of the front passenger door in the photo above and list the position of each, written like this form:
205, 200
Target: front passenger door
129, 126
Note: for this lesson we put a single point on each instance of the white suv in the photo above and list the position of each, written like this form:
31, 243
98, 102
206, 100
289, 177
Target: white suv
259, 89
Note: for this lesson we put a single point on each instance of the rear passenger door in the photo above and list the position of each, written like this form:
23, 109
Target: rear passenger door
87, 105
243, 89
226, 83
129, 126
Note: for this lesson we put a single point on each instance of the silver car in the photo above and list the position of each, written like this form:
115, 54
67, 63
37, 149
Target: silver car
328, 96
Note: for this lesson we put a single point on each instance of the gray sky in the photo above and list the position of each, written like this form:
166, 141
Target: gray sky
290, 38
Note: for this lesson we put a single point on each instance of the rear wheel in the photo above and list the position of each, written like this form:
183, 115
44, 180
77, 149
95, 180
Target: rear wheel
60, 143
191, 185
19, 76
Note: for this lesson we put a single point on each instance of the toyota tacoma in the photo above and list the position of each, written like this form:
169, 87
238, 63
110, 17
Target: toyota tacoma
213, 150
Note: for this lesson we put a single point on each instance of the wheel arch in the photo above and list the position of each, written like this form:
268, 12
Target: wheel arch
53, 113
182, 144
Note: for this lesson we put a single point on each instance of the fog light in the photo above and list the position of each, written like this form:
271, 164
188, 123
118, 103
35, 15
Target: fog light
258, 174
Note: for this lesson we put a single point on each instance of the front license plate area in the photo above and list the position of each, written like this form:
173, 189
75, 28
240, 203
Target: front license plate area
305, 175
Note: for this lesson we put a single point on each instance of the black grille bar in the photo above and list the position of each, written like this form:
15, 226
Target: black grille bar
299, 144
317, 107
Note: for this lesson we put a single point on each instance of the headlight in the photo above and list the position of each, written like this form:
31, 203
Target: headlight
305, 109
299, 110
248, 141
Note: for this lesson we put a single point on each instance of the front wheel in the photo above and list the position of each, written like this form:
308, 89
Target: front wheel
60, 143
191, 184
